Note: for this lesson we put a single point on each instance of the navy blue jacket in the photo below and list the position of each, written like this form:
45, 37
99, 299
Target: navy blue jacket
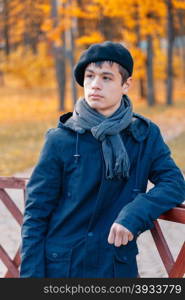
70, 206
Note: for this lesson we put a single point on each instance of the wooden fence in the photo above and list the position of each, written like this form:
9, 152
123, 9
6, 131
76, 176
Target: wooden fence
174, 268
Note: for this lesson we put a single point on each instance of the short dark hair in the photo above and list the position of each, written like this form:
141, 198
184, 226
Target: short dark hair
124, 73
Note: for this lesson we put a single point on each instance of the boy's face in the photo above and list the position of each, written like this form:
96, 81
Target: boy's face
103, 87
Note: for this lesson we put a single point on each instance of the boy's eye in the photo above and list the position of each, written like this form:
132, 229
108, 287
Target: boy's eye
106, 78
88, 75
91, 76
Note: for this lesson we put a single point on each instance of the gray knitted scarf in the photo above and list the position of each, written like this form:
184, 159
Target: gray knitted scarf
107, 130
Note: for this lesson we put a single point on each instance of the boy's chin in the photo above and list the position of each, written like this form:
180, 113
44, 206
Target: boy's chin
93, 104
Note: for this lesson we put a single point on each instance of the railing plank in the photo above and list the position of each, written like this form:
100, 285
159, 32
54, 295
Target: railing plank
13, 209
162, 247
178, 269
12, 182
176, 214
16, 261
8, 263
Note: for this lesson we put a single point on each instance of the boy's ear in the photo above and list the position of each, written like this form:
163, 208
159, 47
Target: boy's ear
127, 85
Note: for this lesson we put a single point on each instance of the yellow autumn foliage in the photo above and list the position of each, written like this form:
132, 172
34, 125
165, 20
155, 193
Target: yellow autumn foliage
32, 70
94, 37
139, 61
179, 4
136, 20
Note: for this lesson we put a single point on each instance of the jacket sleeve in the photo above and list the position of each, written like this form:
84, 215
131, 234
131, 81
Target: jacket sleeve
168, 191
42, 192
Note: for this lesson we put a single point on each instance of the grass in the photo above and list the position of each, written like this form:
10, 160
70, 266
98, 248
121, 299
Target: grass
20, 145
25, 116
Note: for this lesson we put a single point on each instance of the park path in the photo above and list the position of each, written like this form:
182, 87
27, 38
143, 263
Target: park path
149, 262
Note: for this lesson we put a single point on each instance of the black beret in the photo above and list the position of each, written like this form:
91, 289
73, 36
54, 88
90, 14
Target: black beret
110, 51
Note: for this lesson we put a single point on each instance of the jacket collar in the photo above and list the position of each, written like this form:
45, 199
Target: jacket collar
139, 128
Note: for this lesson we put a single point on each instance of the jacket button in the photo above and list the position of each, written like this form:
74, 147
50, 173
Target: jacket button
69, 194
90, 234
54, 255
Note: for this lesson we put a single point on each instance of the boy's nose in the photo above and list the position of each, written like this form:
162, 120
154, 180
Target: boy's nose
96, 83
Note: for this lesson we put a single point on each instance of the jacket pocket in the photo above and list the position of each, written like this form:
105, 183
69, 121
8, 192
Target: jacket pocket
124, 260
58, 261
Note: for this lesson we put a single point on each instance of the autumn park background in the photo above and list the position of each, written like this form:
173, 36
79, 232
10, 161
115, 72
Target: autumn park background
40, 42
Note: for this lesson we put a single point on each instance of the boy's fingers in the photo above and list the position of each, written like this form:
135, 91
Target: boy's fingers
111, 236
119, 235
118, 239
130, 237
125, 239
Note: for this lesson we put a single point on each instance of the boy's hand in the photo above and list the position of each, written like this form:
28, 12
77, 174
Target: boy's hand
119, 235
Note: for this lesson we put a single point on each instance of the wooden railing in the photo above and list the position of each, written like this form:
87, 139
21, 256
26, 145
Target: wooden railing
12, 265
174, 268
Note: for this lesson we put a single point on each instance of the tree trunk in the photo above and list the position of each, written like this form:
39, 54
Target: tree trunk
6, 27
181, 29
70, 34
170, 38
2, 82
150, 77
110, 27
182, 54
60, 69
142, 89
59, 57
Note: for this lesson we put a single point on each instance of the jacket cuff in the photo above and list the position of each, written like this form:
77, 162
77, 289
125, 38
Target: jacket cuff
135, 230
